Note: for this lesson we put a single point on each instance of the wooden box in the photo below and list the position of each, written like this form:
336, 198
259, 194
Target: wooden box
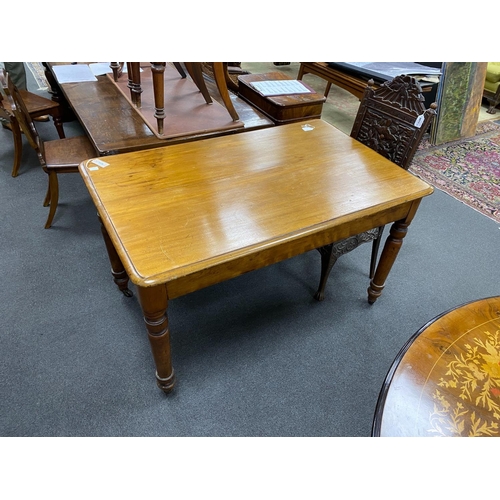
280, 108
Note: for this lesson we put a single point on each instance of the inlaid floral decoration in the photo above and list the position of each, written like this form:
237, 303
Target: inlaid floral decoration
471, 404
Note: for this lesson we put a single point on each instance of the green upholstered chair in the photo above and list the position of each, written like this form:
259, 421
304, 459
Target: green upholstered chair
491, 90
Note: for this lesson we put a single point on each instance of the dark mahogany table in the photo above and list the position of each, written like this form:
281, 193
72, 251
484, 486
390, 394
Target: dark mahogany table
114, 127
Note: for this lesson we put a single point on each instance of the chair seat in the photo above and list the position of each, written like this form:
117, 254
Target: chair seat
67, 154
36, 104
57, 156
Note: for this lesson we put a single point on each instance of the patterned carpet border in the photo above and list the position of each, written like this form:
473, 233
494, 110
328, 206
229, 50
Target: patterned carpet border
468, 170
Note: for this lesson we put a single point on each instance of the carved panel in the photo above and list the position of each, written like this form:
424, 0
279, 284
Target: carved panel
389, 137
403, 91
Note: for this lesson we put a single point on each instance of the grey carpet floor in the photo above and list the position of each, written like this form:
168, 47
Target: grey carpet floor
255, 356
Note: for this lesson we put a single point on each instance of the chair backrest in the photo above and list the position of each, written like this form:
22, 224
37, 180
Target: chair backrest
22, 115
392, 119
5, 101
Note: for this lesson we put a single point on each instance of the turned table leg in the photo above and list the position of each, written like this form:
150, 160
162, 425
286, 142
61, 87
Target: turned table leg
154, 304
157, 71
120, 276
134, 82
389, 253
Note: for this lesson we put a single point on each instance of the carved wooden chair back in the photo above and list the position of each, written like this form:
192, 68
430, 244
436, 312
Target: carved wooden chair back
392, 119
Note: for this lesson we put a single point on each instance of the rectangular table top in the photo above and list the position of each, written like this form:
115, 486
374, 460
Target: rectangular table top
198, 208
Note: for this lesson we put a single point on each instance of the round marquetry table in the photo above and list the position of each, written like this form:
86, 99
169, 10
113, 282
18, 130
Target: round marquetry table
446, 380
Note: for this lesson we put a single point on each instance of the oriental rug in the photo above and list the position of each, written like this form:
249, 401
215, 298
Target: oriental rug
468, 170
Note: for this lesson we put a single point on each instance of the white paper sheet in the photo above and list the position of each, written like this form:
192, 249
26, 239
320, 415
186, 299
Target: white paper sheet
73, 73
280, 87
102, 68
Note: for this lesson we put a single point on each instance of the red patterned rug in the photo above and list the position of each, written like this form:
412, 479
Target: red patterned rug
468, 170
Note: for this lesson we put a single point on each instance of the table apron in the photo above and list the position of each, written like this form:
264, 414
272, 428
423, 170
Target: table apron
226, 270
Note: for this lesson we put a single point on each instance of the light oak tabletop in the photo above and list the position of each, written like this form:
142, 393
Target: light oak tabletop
173, 211
180, 218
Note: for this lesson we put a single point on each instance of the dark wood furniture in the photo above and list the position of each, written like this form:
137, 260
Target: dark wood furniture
173, 106
155, 77
354, 81
241, 202
280, 108
222, 81
56, 157
354, 84
36, 106
391, 120
99, 104
445, 381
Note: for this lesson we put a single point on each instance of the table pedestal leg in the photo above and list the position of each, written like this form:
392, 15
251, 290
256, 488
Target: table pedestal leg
120, 276
389, 253
154, 303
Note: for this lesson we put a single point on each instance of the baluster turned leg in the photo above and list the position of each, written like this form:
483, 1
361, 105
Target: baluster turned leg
117, 70
389, 253
158, 70
154, 303
134, 82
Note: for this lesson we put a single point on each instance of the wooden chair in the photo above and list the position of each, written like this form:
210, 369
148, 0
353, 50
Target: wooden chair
56, 157
391, 120
36, 106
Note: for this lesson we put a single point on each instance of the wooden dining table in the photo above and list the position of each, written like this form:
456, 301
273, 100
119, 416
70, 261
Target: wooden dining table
113, 125
182, 218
